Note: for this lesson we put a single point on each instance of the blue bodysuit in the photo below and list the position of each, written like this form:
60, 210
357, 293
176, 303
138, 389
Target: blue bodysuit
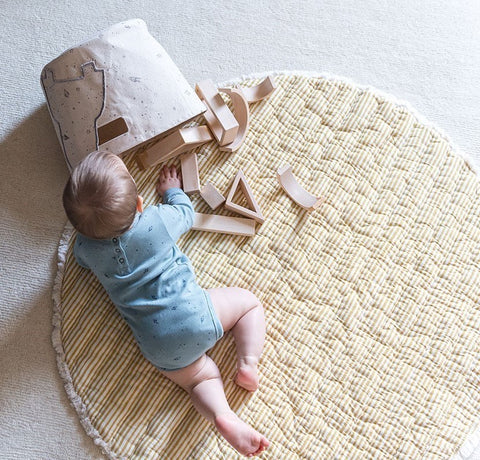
152, 284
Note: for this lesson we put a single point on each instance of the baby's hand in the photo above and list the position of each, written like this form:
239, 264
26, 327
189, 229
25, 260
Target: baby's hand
168, 178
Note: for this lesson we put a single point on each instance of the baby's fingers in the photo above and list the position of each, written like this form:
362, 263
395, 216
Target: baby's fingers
173, 172
164, 172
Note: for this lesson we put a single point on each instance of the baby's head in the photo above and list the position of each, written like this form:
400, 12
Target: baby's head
101, 198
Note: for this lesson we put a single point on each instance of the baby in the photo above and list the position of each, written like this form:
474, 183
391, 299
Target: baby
133, 253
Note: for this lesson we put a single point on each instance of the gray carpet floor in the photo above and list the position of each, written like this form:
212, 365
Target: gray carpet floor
426, 53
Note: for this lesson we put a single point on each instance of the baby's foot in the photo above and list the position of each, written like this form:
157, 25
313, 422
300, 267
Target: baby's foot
247, 373
241, 436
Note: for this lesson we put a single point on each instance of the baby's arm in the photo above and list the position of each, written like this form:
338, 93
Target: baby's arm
177, 210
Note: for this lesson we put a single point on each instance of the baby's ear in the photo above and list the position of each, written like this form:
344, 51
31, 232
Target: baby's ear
139, 203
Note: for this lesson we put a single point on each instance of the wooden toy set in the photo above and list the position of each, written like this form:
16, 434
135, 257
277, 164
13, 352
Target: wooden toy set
121, 92
229, 130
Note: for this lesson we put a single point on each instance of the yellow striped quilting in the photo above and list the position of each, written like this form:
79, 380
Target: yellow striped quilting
372, 301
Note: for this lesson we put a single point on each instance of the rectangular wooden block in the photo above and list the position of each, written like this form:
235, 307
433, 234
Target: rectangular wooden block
176, 143
219, 117
190, 177
211, 195
224, 224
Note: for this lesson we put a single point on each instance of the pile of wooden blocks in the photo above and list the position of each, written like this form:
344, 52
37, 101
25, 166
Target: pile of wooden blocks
229, 129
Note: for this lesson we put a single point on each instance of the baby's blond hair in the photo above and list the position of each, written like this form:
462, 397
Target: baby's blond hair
100, 198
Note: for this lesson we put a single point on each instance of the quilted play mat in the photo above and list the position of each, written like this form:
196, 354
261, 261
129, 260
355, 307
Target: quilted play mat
371, 301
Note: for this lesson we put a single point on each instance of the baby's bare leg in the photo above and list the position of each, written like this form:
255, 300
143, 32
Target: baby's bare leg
203, 383
239, 310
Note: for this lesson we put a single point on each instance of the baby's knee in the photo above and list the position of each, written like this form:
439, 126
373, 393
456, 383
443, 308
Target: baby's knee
249, 297
209, 371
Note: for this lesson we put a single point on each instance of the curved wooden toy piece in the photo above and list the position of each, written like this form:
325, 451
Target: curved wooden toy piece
242, 115
261, 91
295, 191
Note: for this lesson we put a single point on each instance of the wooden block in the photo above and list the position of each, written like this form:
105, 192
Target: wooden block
261, 91
295, 191
190, 177
224, 224
242, 115
218, 116
213, 124
255, 212
176, 143
211, 195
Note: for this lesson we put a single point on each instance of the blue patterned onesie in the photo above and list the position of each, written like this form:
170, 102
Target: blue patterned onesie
152, 284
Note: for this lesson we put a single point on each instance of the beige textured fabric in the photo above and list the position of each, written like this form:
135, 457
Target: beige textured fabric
372, 301
116, 92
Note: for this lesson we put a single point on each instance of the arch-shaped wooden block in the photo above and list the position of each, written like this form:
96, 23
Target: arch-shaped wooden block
295, 191
242, 115
261, 91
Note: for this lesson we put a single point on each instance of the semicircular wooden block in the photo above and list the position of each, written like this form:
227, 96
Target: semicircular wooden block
242, 115
295, 191
260, 91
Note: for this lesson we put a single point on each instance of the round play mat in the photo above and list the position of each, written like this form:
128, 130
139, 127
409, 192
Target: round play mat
371, 300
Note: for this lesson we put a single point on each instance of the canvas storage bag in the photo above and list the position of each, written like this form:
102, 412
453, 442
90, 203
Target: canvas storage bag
116, 92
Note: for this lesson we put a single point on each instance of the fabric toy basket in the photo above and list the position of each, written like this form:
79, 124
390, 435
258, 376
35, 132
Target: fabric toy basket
116, 92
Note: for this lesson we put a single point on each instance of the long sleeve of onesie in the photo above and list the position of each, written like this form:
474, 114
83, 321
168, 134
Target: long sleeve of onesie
177, 212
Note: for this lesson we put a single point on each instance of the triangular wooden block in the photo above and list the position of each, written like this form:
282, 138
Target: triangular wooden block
255, 212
